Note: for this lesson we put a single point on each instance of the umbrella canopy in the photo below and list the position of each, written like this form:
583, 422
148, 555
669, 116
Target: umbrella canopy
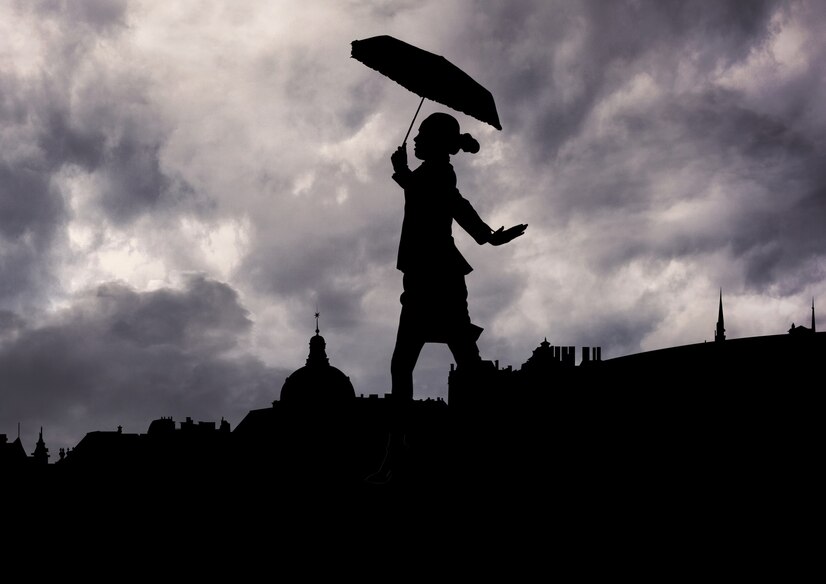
427, 75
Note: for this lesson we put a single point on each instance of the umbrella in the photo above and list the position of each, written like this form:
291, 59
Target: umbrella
427, 75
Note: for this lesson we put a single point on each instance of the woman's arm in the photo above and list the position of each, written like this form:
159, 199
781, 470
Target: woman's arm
466, 216
469, 219
401, 172
502, 235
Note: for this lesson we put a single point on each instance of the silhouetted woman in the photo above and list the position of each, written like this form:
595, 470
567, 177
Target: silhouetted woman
434, 301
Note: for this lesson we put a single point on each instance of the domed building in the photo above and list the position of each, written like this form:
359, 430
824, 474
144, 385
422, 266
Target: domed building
318, 382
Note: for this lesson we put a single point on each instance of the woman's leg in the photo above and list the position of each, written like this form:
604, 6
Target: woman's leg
462, 341
409, 343
466, 353
408, 347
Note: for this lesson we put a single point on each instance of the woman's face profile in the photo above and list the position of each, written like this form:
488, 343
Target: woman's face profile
426, 143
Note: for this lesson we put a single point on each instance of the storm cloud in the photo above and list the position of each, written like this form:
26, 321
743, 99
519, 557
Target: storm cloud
182, 186
122, 357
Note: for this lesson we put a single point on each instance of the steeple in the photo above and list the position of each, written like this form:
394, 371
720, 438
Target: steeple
814, 330
720, 333
41, 453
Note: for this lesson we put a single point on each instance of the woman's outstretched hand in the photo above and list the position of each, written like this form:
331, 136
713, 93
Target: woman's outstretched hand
399, 158
503, 235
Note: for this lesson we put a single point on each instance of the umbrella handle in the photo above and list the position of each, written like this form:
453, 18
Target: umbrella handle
412, 122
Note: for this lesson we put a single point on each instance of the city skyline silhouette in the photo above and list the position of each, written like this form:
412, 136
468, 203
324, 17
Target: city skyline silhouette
553, 374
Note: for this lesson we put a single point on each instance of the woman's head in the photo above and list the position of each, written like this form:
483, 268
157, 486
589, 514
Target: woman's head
439, 135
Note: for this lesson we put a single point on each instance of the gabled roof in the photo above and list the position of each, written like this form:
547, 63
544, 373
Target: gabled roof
12, 452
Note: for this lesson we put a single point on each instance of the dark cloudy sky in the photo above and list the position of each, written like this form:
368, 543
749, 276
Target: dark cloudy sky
181, 183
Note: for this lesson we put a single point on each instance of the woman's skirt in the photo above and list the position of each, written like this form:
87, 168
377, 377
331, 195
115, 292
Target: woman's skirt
435, 309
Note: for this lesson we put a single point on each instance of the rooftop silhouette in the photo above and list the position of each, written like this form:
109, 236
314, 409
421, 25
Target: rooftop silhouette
317, 382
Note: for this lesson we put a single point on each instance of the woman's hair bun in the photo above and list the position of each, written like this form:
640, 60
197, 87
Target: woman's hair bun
468, 143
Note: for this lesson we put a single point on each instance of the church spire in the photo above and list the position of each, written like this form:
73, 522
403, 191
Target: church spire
720, 333
814, 330
41, 453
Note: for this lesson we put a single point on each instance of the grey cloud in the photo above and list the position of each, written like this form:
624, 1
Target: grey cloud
384, 9
31, 212
25, 275
610, 41
99, 15
63, 143
783, 248
709, 147
61, 118
134, 182
29, 207
111, 130
328, 270
622, 332
711, 132
361, 102
492, 288
11, 324
123, 357
206, 316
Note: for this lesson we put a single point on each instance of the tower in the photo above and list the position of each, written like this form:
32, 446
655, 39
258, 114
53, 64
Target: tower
720, 333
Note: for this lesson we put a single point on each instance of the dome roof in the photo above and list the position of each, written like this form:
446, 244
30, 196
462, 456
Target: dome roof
318, 382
